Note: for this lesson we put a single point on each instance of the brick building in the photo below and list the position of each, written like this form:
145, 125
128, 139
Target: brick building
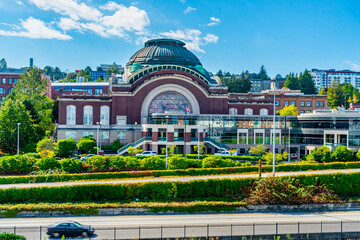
8, 78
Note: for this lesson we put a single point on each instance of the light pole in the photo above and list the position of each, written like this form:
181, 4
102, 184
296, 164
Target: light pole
198, 142
274, 139
166, 151
18, 143
98, 141
289, 153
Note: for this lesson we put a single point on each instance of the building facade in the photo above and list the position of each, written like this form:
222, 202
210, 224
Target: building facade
324, 78
81, 88
9, 78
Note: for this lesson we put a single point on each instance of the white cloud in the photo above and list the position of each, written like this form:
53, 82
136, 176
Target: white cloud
182, 1
34, 28
19, 2
189, 9
354, 66
68, 24
69, 8
192, 37
111, 6
214, 21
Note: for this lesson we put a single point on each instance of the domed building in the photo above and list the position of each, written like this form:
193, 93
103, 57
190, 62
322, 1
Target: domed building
164, 88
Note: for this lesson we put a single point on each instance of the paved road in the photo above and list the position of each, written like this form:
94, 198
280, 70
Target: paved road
127, 227
184, 179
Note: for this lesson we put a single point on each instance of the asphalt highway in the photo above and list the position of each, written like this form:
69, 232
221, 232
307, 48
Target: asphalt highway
194, 225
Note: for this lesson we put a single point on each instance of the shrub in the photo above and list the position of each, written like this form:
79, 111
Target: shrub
178, 162
117, 163
71, 165
320, 154
46, 144
98, 163
47, 154
342, 154
16, 164
47, 163
86, 144
66, 147
152, 163
132, 163
31, 155
217, 162
259, 149
358, 155
11, 236
268, 157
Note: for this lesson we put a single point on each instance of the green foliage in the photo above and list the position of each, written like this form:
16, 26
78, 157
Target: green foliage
152, 163
336, 95
113, 69
236, 84
133, 151
292, 82
3, 64
171, 149
320, 154
66, 147
86, 144
307, 84
11, 236
46, 144
71, 165
268, 157
342, 154
217, 162
179, 162
290, 110
202, 148
47, 163
259, 149
358, 155
98, 163
322, 91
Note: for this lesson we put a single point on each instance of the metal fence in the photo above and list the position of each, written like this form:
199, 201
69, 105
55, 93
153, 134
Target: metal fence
295, 230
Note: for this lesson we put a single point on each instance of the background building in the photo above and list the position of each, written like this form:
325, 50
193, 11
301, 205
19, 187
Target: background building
83, 88
9, 78
324, 78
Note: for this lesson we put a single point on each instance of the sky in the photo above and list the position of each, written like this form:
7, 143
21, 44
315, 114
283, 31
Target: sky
283, 35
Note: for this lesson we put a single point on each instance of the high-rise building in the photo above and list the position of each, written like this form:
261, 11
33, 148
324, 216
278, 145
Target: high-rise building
324, 78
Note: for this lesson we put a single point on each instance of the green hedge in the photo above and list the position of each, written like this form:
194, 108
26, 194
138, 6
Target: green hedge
178, 172
344, 185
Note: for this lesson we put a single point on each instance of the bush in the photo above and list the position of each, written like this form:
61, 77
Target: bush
268, 157
132, 163
86, 144
217, 162
320, 154
117, 163
46, 144
342, 154
98, 163
47, 154
152, 163
66, 147
71, 165
47, 163
11, 236
16, 164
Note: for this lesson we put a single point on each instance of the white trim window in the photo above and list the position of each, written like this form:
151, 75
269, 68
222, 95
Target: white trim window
70, 114
104, 115
121, 120
70, 134
264, 112
88, 115
104, 135
248, 111
88, 134
233, 111
121, 135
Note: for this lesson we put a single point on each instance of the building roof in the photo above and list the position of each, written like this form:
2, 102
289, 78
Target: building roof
164, 51
11, 71
63, 84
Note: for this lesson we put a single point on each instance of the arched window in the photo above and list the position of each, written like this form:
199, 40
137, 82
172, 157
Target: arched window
10, 90
170, 102
2, 90
104, 115
88, 115
264, 111
70, 115
248, 111
233, 111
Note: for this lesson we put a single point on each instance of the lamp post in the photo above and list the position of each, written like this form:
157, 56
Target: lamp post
133, 134
18, 142
274, 135
198, 142
166, 151
289, 153
98, 144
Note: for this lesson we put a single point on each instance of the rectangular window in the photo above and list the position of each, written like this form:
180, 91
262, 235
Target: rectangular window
68, 89
57, 88
71, 134
302, 111
104, 135
293, 103
88, 89
286, 103
15, 80
121, 135
277, 103
4, 81
88, 133
317, 103
321, 103
10, 81
121, 120
308, 104
98, 90
302, 104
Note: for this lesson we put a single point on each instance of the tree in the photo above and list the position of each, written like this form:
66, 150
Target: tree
351, 94
320, 154
3, 64
335, 94
66, 147
290, 110
86, 144
268, 157
307, 84
236, 84
171, 149
11, 113
99, 69
70, 76
113, 69
263, 74
342, 154
219, 73
201, 148
46, 144
322, 91
258, 150
133, 151
292, 82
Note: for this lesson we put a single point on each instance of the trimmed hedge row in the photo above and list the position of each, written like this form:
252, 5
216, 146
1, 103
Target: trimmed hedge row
179, 172
11, 210
341, 184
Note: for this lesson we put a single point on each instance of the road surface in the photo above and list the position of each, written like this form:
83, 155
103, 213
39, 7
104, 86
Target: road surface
194, 225
184, 179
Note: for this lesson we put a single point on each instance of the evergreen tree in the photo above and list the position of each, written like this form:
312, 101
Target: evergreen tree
307, 84
263, 74
292, 82
336, 95
3, 64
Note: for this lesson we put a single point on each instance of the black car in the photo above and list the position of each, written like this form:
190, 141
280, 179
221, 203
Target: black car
69, 228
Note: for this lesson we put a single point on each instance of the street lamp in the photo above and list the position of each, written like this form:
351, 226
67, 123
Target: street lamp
18, 128
274, 139
98, 142
289, 145
198, 142
166, 151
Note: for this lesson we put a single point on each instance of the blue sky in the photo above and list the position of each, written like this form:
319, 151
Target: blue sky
285, 36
